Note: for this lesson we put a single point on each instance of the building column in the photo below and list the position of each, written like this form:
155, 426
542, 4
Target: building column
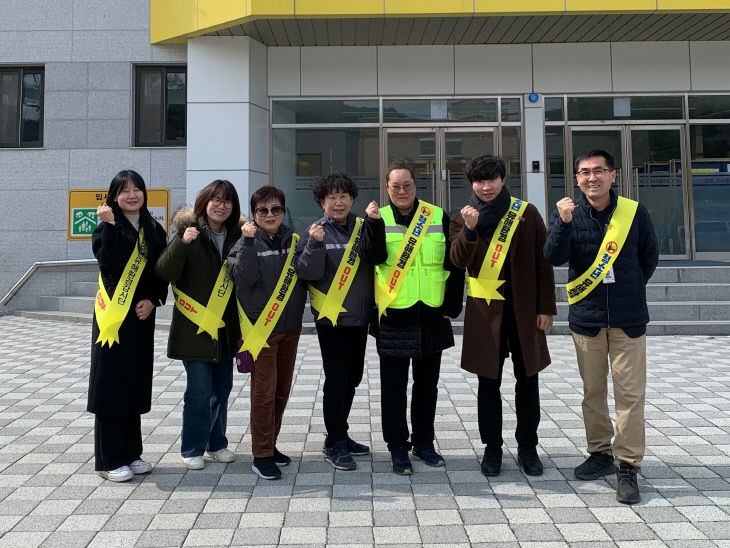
535, 152
228, 116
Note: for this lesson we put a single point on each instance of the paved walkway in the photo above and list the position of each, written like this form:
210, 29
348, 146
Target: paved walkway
50, 495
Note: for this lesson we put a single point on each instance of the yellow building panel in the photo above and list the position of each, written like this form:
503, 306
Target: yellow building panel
270, 8
353, 8
608, 6
518, 7
172, 19
694, 5
428, 7
217, 12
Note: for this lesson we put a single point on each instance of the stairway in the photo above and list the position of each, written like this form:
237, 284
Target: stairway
683, 300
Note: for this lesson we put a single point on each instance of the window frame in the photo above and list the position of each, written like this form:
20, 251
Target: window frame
22, 70
162, 70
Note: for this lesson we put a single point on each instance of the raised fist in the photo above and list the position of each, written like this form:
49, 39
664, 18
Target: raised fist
105, 213
190, 234
470, 216
566, 206
373, 211
317, 232
249, 229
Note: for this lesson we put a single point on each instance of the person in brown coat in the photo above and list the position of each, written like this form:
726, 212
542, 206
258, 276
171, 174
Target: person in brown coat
510, 305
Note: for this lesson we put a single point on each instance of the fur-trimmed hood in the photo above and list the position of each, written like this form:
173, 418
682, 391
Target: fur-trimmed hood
184, 217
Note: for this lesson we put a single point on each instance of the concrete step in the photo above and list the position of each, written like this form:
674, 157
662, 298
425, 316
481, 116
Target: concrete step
84, 289
673, 274
672, 292
655, 328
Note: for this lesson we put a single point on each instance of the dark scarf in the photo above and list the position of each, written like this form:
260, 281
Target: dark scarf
401, 219
490, 212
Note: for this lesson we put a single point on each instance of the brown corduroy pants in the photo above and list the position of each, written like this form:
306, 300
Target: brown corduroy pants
270, 386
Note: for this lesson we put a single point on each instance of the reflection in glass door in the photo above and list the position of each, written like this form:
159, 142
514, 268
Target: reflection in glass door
439, 156
420, 148
460, 147
611, 140
657, 182
648, 162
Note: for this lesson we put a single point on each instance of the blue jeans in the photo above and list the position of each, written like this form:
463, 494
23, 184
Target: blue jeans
205, 406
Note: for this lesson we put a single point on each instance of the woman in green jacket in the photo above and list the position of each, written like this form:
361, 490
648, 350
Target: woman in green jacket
194, 261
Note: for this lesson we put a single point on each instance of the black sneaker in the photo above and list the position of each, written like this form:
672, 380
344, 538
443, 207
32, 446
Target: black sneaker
357, 449
627, 491
266, 468
492, 462
528, 460
401, 463
339, 457
427, 454
595, 466
280, 458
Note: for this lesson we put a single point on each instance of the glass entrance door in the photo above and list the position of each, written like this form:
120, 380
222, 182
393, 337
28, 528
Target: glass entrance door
439, 156
657, 182
648, 169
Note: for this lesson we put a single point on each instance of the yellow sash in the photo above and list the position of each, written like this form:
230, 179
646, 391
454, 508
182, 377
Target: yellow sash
330, 305
611, 245
208, 318
405, 256
486, 284
110, 313
255, 336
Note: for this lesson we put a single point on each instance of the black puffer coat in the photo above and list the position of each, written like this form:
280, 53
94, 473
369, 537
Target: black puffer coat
120, 379
621, 304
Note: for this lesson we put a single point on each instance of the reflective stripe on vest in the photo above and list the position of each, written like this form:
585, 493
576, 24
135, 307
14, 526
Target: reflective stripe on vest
426, 279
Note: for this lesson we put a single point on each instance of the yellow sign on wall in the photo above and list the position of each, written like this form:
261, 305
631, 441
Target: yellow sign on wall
82, 204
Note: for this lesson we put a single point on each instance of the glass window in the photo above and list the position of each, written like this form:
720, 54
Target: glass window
512, 156
160, 107
555, 165
325, 112
511, 110
711, 186
625, 108
709, 106
449, 110
554, 109
21, 107
301, 155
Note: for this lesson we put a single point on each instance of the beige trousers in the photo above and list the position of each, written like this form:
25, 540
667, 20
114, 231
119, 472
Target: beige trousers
628, 370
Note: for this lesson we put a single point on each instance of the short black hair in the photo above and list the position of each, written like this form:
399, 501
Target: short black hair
332, 183
607, 156
486, 168
264, 194
400, 164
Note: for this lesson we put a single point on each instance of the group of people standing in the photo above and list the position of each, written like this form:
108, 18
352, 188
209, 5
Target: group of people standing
398, 273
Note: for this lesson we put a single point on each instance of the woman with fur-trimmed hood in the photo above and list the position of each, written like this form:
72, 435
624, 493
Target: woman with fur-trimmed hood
192, 262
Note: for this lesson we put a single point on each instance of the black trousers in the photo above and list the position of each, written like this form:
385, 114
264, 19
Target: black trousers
117, 441
394, 395
527, 400
343, 360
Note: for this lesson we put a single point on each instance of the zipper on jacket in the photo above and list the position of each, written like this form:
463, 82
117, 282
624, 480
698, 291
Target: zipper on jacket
603, 234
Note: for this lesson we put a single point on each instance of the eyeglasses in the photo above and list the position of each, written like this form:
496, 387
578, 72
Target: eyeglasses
597, 172
265, 211
405, 188
218, 202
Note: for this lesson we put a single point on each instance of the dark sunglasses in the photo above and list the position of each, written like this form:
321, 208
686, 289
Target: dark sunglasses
275, 211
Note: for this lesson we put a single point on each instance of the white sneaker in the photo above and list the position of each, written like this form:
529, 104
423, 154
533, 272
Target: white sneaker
222, 455
194, 463
123, 473
140, 467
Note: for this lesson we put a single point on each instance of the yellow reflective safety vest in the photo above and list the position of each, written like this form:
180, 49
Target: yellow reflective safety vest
426, 278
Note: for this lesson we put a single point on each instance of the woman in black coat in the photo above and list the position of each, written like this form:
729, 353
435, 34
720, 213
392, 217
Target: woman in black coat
120, 381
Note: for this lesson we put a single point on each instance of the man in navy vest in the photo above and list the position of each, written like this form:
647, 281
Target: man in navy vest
607, 318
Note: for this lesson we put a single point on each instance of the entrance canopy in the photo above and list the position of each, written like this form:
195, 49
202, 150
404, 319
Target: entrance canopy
429, 22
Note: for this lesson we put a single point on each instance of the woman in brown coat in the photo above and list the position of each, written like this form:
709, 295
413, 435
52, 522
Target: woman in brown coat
510, 320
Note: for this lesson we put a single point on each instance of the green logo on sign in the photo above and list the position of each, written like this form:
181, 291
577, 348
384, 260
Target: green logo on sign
84, 221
